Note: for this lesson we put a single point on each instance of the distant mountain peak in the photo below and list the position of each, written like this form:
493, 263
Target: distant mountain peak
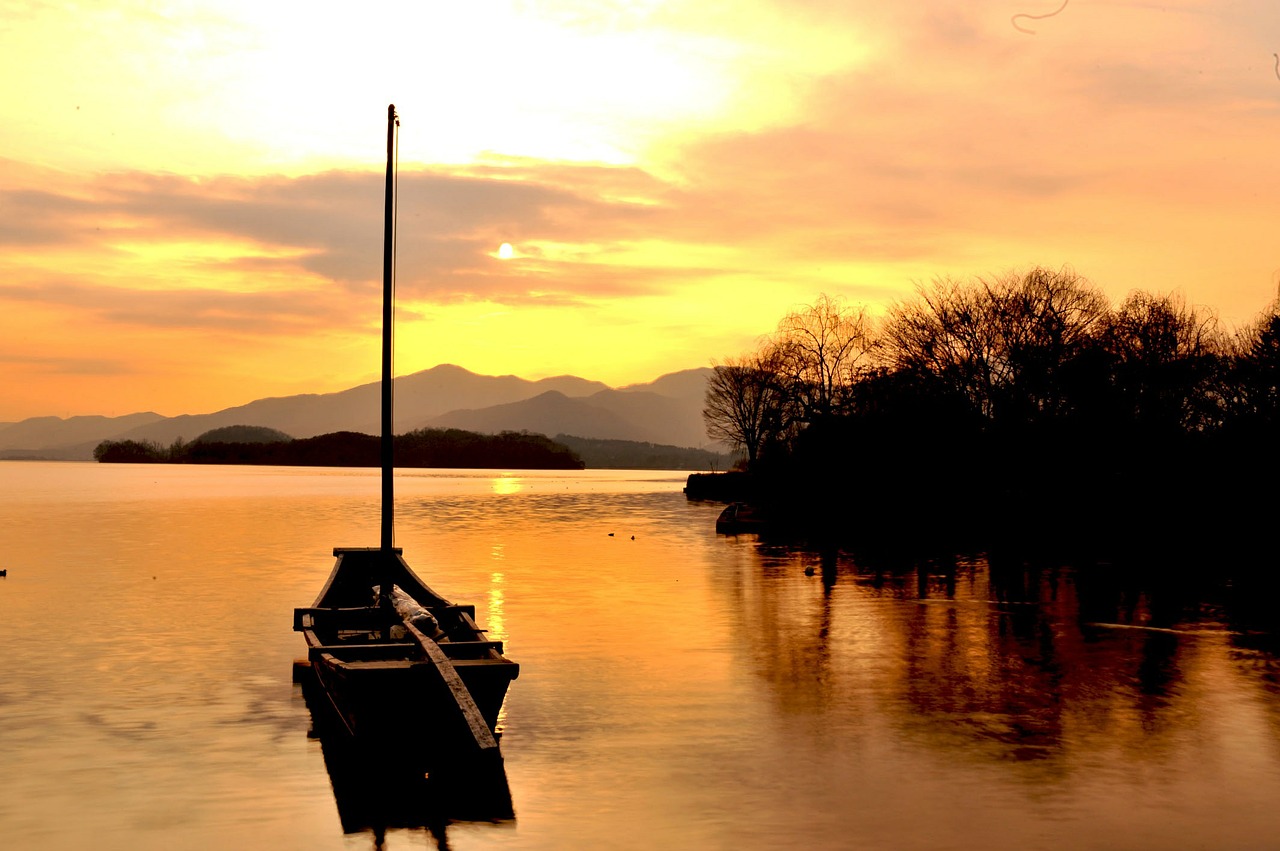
665, 411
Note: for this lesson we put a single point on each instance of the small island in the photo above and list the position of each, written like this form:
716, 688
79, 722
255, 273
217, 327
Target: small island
427, 447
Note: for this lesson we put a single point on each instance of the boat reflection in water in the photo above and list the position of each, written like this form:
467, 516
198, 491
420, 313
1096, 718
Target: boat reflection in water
377, 789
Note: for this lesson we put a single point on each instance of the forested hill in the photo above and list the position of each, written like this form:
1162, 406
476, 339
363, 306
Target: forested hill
667, 410
635, 455
448, 448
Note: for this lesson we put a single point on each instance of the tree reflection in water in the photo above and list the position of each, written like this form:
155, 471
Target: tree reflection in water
999, 657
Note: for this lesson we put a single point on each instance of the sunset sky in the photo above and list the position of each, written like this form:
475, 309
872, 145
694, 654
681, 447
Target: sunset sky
191, 192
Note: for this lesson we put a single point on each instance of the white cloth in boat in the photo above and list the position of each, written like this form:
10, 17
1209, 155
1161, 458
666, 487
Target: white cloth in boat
410, 611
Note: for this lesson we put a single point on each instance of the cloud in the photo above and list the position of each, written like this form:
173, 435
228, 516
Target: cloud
941, 136
193, 309
328, 226
35, 218
64, 366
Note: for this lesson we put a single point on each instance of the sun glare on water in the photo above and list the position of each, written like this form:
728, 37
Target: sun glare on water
507, 484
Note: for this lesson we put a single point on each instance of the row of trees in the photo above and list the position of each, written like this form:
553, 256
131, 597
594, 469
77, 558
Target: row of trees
445, 448
1018, 388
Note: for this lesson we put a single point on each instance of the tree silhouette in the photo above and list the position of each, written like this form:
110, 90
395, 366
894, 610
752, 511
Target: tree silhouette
1255, 382
1023, 407
1167, 359
745, 403
821, 351
1004, 344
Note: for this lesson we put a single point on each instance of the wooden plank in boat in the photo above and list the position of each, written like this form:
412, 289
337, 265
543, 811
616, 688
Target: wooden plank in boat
364, 651
357, 618
449, 646
467, 711
481, 662
380, 664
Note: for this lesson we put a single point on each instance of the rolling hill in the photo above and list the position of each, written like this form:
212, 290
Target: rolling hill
666, 411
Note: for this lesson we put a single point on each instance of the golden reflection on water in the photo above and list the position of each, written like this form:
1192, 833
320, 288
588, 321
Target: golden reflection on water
507, 484
677, 688
494, 614
495, 621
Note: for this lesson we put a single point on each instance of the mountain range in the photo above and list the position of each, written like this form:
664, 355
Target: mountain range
665, 411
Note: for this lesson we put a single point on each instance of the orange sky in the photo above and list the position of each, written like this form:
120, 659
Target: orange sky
190, 193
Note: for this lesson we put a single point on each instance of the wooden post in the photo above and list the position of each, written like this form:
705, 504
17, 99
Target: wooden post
388, 317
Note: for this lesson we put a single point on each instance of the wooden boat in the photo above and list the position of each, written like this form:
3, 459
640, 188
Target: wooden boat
737, 518
403, 667
401, 800
415, 674
404, 796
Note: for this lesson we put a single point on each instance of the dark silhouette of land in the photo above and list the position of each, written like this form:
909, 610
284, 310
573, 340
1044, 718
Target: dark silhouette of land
598, 453
446, 448
1025, 409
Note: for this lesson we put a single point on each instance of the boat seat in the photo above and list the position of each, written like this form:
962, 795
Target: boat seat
397, 650
365, 617
364, 652
452, 647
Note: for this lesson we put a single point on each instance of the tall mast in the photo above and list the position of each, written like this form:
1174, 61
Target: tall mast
388, 307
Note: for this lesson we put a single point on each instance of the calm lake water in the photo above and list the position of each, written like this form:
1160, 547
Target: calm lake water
677, 689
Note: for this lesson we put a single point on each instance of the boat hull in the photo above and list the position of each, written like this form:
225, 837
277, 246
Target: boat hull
738, 518
381, 685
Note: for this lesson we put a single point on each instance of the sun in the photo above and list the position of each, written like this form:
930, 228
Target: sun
505, 251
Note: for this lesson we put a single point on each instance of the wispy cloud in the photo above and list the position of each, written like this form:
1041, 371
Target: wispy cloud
245, 313
673, 175
328, 225
64, 366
